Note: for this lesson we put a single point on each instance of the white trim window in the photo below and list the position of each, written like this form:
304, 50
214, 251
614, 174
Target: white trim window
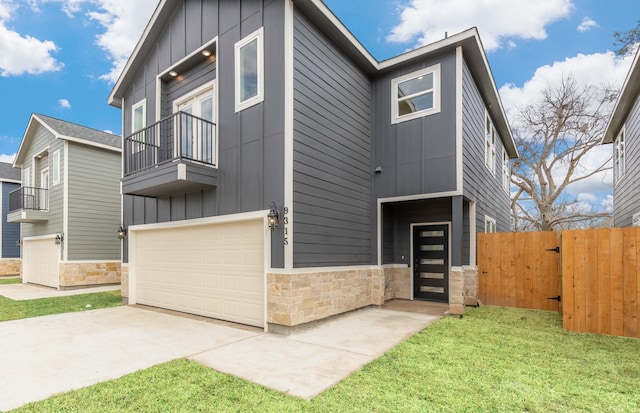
139, 116
490, 145
618, 159
416, 94
489, 224
55, 164
506, 171
249, 70
26, 177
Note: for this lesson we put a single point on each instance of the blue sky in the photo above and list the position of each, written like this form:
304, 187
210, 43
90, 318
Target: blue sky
61, 57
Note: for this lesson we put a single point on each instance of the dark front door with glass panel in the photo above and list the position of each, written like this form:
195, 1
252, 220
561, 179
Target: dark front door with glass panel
431, 263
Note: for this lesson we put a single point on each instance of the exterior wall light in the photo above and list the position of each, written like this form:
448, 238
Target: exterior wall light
59, 239
273, 219
18, 243
122, 232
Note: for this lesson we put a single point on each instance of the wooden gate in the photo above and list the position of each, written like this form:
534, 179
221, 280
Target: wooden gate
520, 269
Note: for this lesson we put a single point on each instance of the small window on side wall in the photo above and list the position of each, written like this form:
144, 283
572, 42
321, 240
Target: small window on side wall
619, 158
55, 160
506, 171
138, 116
489, 224
415, 95
249, 70
490, 145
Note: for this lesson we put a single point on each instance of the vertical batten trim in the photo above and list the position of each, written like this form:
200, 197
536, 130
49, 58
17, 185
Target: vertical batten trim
65, 203
459, 120
288, 129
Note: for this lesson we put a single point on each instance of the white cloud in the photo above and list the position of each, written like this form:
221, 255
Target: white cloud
23, 53
124, 22
425, 21
64, 104
586, 25
7, 158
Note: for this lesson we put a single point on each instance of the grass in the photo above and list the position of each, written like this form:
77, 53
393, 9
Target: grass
492, 360
14, 310
10, 280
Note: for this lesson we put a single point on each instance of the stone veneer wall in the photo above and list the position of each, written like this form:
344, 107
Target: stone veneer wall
295, 299
124, 280
456, 291
10, 266
397, 281
470, 286
80, 274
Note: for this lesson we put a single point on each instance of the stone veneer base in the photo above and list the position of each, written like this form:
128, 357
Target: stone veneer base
10, 266
303, 297
78, 274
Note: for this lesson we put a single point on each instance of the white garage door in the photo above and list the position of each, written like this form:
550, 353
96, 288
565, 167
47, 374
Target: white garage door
40, 262
215, 270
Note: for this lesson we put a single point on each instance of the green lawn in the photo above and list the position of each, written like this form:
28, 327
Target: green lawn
13, 310
10, 280
492, 360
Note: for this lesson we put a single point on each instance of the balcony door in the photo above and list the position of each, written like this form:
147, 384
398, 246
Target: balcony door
195, 126
43, 194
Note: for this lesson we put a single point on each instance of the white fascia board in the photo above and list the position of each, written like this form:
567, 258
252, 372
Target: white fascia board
89, 143
624, 103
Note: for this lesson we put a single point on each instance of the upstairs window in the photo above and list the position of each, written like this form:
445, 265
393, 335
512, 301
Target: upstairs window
506, 171
415, 95
138, 116
618, 161
489, 224
490, 145
249, 70
55, 160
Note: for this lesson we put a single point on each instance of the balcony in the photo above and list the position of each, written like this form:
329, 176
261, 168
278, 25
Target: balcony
28, 205
175, 155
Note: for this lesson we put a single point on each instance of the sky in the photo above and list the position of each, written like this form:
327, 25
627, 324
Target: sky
62, 57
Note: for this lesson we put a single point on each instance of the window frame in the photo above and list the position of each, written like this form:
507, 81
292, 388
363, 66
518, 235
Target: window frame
619, 156
489, 144
257, 36
141, 103
55, 168
488, 224
506, 171
435, 90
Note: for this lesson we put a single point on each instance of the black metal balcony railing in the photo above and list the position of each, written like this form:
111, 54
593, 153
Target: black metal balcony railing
179, 136
34, 199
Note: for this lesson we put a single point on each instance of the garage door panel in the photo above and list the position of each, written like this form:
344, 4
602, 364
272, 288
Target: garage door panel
41, 259
215, 270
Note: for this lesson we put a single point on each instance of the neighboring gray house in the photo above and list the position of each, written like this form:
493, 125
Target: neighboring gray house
9, 232
69, 204
623, 131
380, 173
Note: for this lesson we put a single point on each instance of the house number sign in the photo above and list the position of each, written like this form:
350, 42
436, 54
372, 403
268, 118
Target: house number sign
285, 220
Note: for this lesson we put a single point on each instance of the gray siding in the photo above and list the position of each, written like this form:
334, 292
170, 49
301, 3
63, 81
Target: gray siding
332, 153
10, 230
42, 140
251, 143
94, 203
480, 185
626, 192
193, 79
416, 156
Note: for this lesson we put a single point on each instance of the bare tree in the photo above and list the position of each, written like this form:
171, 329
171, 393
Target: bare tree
553, 136
627, 42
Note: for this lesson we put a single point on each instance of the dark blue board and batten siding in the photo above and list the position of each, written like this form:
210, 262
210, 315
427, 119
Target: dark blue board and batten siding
416, 156
332, 153
251, 143
480, 185
10, 230
626, 192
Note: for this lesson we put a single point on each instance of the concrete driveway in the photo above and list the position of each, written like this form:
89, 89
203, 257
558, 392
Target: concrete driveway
48, 355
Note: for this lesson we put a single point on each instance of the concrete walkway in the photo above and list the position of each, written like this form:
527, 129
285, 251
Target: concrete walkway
48, 355
32, 292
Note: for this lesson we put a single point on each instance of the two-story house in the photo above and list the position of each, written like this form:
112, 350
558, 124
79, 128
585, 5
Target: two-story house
623, 130
68, 205
275, 173
9, 231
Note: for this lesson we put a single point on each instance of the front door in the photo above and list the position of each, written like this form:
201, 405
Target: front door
431, 262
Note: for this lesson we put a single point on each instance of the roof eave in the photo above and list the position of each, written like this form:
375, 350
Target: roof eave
626, 99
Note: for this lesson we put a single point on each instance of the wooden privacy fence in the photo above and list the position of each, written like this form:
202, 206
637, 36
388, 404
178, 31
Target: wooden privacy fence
595, 273
519, 269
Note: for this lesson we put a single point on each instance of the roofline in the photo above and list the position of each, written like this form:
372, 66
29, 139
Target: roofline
11, 181
626, 99
117, 101
35, 117
477, 60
